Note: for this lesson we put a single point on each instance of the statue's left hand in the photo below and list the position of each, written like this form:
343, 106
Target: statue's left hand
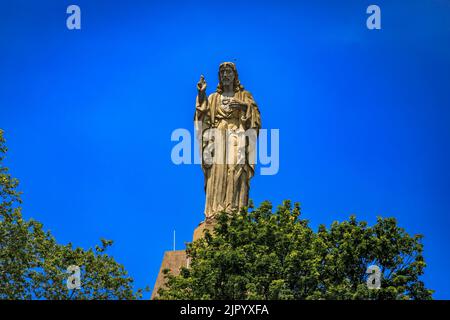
238, 103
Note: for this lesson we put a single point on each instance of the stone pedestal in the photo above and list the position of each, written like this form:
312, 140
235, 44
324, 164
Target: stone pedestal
175, 260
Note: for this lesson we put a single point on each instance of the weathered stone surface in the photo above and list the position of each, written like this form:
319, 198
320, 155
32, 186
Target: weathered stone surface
227, 123
173, 260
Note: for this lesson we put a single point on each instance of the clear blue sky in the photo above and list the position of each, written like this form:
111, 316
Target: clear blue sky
363, 115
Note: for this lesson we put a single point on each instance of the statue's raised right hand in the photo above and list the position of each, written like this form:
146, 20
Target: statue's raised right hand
201, 85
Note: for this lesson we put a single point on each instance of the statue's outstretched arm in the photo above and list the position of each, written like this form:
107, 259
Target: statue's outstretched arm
201, 104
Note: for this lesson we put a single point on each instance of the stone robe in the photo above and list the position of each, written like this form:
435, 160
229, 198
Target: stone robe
227, 150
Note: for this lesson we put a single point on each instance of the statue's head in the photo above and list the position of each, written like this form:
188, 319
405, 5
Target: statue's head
228, 75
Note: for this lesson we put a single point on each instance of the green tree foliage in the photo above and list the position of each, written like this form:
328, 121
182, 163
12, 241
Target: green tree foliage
261, 254
34, 266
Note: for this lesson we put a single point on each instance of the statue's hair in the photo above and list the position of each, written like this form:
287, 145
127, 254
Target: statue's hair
236, 83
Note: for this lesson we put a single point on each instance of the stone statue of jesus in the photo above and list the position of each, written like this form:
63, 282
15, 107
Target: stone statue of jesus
227, 124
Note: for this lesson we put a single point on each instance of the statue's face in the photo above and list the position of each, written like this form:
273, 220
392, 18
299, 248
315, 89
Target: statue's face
227, 76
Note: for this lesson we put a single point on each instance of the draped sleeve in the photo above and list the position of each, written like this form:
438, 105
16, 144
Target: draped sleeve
253, 117
252, 120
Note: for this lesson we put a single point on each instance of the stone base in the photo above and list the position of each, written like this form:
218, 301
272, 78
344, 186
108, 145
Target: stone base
173, 260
